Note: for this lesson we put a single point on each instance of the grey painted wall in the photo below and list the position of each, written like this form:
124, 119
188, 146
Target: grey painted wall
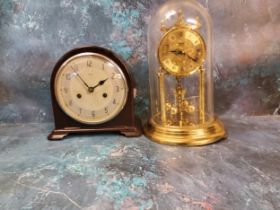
34, 34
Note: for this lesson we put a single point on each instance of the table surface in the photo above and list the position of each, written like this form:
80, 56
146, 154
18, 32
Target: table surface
107, 171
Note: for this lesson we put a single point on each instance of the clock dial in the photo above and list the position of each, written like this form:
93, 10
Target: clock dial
91, 88
181, 51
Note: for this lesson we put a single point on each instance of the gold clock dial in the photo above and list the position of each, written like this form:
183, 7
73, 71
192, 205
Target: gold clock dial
181, 51
91, 88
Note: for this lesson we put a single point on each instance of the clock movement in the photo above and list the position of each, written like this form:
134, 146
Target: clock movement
180, 72
93, 91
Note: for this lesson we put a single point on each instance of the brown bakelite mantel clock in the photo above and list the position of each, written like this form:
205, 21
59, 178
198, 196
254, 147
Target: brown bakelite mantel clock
93, 91
181, 80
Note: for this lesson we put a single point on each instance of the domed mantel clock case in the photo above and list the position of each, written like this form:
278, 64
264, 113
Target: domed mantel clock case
181, 85
93, 91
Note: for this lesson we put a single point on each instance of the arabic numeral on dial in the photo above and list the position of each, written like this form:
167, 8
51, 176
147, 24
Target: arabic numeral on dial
71, 103
118, 89
80, 111
114, 101
75, 67
89, 63
106, 110
93, 114
113, 76
68, 77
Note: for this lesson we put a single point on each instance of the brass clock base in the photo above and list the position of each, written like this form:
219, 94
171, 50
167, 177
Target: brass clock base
195, 136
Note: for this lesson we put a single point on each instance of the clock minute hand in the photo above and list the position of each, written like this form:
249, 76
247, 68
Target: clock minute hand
190, 57
82, 80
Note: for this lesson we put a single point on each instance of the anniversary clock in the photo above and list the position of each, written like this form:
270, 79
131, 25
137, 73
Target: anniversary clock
93, 91
181, 84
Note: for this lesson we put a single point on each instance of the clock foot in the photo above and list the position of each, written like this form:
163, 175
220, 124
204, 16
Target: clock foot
135, 131
57, 135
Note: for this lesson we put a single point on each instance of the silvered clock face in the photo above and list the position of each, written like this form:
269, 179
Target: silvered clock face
91, 88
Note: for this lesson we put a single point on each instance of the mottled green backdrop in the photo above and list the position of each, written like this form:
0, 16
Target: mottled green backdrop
35, 33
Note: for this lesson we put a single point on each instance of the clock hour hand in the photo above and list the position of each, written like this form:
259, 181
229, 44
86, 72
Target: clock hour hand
100, 83
178, 52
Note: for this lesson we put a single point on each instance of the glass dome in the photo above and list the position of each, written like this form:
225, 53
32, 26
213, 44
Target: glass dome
180, 76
